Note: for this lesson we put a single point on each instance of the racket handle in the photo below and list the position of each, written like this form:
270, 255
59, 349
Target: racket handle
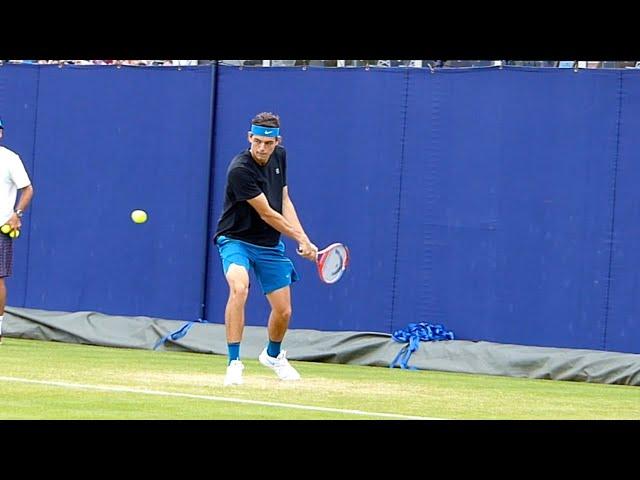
299, 252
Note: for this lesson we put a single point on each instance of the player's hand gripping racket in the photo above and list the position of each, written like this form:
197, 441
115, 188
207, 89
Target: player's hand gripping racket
332, 262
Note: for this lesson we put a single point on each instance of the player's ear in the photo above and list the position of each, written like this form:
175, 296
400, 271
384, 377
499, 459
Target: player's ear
249, 136
278, 139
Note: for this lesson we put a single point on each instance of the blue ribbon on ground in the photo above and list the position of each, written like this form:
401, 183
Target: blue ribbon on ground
414, 334
175, 335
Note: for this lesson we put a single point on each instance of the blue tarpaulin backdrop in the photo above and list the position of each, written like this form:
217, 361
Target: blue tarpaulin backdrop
498, 202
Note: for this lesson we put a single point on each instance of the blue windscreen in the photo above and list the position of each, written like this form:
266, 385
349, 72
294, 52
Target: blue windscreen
499, 202
18, 110
342, 133
110, 140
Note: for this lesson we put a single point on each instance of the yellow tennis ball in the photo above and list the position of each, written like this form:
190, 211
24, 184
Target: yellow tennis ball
14, 233
139, 216
5, 229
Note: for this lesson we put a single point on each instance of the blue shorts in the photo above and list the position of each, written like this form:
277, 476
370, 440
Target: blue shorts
272, 269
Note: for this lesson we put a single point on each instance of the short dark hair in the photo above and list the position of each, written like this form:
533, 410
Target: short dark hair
266, 119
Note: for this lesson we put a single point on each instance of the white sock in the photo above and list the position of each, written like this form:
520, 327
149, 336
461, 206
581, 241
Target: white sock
1, 318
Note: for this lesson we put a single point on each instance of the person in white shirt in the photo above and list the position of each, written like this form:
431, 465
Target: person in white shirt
13, 177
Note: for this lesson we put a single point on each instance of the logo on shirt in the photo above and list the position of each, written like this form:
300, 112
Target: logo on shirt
277, 171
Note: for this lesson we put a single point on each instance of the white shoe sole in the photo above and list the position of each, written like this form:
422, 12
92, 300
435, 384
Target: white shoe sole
268, 365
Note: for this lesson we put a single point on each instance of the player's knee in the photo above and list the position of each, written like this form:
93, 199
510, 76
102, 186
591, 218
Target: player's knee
283, 312
239, 291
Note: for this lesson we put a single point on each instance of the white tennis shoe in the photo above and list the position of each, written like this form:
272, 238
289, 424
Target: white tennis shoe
234, 373
280, 365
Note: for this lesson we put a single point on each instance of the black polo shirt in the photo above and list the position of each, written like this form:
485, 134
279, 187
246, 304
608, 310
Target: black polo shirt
246, 179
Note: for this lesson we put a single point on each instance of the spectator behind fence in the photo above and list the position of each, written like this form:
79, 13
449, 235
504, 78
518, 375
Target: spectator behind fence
15, 178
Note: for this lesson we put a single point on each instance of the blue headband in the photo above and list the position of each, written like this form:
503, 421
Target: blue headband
265, 131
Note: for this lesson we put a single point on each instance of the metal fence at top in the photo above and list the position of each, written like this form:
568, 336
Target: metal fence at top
576, 64
431, 63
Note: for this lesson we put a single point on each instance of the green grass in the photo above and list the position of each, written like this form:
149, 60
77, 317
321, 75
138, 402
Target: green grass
347, 387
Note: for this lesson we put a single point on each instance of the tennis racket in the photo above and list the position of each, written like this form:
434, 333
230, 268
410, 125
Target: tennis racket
332, 262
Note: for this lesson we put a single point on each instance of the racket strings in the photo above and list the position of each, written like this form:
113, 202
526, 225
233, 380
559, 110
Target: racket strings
333, 263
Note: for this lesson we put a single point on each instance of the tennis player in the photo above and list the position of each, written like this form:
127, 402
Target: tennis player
257, 209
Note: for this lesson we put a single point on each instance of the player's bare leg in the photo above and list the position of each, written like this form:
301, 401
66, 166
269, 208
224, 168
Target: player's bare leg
272, 356
280, 301
3, 301
238, 280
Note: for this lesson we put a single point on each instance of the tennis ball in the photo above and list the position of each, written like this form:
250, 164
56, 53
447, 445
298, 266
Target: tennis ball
5, 229
139, 216
14, 233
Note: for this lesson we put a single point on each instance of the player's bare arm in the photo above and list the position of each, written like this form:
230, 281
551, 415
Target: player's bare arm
280, 223
26, 194
289, 213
